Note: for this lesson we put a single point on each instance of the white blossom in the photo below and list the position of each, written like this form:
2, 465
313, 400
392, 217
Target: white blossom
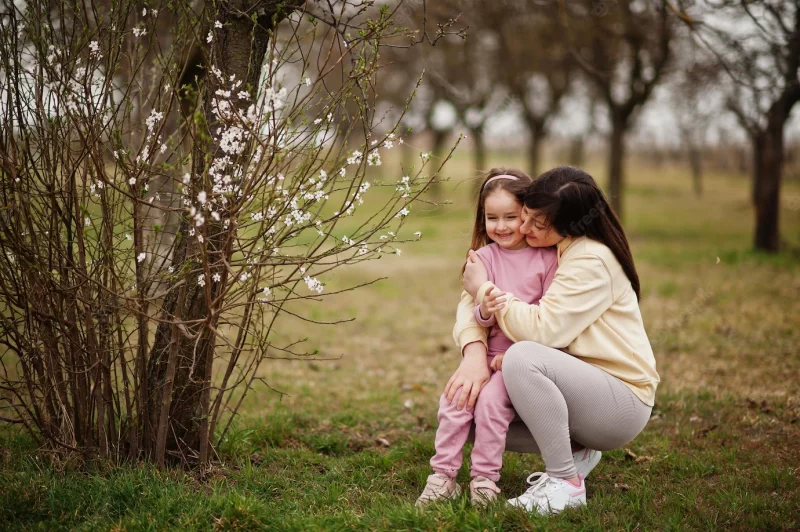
153, 119
171, 269
139, 32
216, 277
425, 156
355, 158
210, 37
397, 251
374, 159
313, 284
307, 81
141, 256
128, 237
418, 234
217, 24
132, 181
201, 280
94, 46
402, 212
202, 197
265, 291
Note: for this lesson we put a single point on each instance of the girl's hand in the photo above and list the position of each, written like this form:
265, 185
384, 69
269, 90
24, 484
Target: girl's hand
471, 376
494, 300
475, 274
497, 362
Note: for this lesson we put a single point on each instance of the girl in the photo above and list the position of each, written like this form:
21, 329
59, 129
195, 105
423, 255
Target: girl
514, 267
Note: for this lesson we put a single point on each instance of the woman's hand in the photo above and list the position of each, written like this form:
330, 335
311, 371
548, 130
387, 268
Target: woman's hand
471, 376
497, 362
475, 274
494, 300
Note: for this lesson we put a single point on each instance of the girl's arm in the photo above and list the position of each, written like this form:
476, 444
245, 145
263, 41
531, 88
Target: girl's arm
579, 295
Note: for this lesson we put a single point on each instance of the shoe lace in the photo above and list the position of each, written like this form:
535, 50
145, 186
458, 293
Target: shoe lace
537, 482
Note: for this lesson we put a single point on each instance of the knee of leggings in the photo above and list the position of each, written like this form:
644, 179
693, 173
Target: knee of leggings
523, 357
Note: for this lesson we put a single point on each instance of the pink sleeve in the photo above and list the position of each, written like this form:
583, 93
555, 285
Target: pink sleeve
485, 254
491, 322
551, 263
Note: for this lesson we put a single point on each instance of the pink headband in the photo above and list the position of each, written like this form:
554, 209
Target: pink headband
502, 176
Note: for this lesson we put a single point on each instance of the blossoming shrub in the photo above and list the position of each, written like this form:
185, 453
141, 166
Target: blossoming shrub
166, 196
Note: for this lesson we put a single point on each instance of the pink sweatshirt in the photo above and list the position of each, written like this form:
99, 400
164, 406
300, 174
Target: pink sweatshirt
526, 272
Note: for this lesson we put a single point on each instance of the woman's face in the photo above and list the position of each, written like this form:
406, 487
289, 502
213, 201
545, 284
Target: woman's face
536, 233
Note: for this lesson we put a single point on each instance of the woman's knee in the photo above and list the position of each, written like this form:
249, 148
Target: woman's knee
525, 357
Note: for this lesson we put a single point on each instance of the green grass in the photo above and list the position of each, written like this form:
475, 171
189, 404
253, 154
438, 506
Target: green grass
720, 451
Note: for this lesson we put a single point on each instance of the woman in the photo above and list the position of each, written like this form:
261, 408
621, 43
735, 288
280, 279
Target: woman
582, 374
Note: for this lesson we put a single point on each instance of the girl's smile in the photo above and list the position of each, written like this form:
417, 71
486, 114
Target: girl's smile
502, 215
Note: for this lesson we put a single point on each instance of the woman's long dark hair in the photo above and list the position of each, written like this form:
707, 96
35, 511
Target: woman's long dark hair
573, 205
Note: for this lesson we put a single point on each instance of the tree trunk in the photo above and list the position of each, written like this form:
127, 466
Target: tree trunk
537, 136
767, 181
439, 138
616, 157
179, 421
696, 164
576, 151
479, 152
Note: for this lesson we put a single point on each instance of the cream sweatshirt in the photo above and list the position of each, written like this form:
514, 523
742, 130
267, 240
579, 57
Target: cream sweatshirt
590, 310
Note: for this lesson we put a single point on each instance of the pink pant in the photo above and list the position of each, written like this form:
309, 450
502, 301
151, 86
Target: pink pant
492, 414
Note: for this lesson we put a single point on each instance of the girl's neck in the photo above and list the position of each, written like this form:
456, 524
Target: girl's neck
522, 245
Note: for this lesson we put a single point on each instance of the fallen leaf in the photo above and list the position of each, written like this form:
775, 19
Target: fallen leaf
622, 486
705, 431
382, 441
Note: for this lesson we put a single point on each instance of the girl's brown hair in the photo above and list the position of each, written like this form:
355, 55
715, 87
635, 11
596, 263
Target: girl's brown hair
517, 187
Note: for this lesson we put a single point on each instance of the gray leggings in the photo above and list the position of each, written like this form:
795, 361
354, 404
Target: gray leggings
560, 400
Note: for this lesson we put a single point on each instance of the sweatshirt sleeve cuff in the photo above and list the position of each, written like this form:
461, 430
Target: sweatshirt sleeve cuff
471, 334
482, 292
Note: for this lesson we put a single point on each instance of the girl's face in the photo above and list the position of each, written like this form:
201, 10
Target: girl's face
503, 222
536, 233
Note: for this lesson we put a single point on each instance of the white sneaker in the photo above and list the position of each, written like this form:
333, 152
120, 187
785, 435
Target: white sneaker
438, 487
585, 460
550, 495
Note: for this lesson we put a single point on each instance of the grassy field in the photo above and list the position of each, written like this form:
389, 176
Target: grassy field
348, 444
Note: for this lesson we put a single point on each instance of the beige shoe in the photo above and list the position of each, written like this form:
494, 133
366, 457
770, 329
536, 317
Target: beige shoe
438, 488
483, 491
